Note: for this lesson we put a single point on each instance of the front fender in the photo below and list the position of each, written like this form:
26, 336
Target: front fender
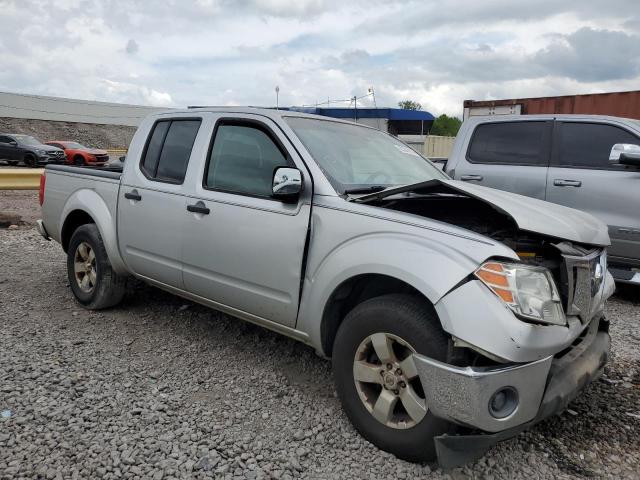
429, 265
89, 201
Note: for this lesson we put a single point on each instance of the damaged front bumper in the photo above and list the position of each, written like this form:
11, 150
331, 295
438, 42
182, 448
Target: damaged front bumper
506, 400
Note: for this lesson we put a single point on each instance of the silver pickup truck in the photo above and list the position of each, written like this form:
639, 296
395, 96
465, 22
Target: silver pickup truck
455, 315
589, 162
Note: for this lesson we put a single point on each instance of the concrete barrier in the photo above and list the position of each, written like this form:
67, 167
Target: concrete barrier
20, 178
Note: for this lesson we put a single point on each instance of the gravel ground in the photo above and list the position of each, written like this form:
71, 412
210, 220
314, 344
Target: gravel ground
161, 388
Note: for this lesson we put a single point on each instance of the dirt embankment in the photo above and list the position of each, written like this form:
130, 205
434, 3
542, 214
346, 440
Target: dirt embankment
89, 134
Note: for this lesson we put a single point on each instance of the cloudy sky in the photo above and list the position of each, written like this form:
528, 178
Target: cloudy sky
226, 52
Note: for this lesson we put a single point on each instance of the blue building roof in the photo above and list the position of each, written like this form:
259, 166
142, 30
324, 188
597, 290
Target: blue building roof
388, 113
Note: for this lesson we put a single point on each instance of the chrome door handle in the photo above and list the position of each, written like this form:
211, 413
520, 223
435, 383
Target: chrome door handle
469, 178
567, 183
199, 207
133, 195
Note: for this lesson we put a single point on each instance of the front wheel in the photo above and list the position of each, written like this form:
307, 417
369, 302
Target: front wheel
79, 161
376, 377
93, 281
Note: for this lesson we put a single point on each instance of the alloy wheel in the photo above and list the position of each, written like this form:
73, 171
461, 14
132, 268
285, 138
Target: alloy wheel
387, 381
84, 267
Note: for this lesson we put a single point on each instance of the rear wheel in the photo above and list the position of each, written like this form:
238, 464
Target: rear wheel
29, 160
376, 377
93, 281
13, 163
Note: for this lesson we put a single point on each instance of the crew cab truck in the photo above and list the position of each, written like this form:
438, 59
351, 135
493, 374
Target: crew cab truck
454, 315
589, 162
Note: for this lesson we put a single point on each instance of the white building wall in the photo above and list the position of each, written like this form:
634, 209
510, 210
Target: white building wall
14, 105
379, 123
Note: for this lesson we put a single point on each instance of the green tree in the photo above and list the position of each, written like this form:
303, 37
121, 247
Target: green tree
409, 105
445, 126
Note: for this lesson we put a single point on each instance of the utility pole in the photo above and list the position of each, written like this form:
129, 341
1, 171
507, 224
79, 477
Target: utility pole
355, 109
375, 105
277, 97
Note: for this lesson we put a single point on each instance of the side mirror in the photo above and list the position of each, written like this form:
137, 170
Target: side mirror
13, 143
122, 158
625, 154
287, 184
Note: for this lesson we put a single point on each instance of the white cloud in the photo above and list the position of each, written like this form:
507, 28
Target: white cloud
221, 52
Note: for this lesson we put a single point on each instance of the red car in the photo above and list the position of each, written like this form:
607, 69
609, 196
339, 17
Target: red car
80, 155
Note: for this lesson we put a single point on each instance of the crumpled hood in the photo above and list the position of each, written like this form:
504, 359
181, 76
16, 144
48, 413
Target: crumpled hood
530, 214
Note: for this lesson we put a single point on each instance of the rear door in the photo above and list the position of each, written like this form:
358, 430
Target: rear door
246, 251
508, 155
6, 148
581, 177
152, 205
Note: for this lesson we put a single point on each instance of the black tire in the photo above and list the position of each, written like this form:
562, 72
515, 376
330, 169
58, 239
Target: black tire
29, 160
413, 320
79, 160
109, 288
13, 163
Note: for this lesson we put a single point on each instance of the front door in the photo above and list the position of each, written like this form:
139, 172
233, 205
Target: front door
244, 249
582, 177
152, 204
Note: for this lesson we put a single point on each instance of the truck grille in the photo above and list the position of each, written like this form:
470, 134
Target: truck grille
583, 277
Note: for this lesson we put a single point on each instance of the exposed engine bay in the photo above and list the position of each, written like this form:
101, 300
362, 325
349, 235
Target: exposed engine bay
480, 217
445, 204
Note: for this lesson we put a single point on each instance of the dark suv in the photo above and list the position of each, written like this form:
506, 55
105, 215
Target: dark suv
16, 148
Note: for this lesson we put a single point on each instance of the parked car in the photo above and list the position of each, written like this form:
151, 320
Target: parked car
78, 154
15, 148
455, 315
580, 161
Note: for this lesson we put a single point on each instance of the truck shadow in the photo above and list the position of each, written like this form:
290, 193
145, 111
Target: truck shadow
630, 293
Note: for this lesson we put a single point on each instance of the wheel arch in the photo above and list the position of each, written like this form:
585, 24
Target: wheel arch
86, 206
353, 292
74, 219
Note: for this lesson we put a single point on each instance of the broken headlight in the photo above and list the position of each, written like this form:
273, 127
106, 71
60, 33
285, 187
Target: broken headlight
530, 292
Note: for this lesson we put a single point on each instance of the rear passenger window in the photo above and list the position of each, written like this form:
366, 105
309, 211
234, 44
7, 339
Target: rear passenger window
242, 160
509, 143
588, 145
169, 148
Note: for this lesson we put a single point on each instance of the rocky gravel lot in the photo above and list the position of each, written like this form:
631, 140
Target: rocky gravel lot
162, 388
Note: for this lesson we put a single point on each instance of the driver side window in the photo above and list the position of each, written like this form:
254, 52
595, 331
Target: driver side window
242, 160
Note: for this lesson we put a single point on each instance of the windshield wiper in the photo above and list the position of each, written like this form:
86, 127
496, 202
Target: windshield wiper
368, 189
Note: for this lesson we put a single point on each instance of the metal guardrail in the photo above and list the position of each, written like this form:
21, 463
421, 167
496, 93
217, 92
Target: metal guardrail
116, 151
20, 178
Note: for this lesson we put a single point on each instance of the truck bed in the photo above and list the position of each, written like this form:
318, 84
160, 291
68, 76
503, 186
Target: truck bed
93, 190
105, 172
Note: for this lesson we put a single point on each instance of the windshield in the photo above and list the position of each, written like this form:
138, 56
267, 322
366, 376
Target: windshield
74, 145
355, 158
27, 140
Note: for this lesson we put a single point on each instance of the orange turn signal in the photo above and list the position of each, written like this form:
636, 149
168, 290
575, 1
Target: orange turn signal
498, 279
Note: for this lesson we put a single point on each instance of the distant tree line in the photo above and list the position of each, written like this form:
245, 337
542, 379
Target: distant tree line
443, 125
